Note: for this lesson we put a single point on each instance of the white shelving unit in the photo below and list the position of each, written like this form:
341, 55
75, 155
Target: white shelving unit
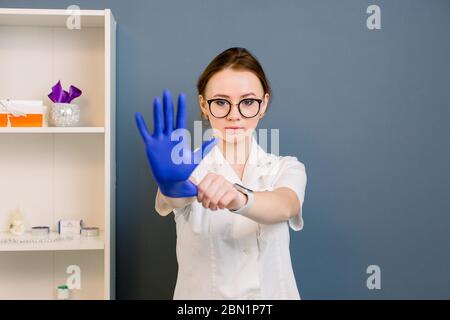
53, 130
52, 173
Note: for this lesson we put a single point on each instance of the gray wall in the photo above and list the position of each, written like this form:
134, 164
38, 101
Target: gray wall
366, 111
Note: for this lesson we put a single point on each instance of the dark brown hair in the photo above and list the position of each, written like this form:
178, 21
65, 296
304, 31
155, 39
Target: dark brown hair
237, 59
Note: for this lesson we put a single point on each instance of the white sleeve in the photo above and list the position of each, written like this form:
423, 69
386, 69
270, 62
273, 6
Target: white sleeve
184, 210
164, 208
160, 206
292, 174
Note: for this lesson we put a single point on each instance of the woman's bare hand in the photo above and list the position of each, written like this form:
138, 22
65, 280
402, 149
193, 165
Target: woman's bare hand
216, 192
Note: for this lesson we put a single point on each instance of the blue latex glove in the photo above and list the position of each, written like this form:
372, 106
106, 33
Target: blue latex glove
172, 178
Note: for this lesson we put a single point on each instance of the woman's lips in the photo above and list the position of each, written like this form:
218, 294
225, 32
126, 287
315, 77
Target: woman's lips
233, 129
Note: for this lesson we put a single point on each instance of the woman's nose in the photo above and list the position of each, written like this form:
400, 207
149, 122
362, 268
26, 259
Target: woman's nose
234, 113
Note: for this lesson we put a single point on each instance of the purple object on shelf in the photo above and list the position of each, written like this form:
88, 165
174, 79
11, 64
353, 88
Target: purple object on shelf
58, 95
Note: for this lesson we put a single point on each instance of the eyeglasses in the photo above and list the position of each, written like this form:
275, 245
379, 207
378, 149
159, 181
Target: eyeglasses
248, 107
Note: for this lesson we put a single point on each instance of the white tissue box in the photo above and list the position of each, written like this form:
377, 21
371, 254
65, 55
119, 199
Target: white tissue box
70, 226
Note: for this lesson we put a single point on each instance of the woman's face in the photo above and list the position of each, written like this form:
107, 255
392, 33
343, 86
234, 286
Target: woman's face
234, 86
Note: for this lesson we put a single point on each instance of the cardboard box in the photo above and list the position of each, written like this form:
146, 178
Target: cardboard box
21, 113
70, 226
3, 119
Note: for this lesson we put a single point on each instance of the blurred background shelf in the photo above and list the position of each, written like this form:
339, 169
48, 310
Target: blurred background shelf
54, 130
73, 242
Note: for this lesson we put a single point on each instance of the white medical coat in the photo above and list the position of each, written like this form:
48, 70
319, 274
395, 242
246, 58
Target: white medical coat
223, 255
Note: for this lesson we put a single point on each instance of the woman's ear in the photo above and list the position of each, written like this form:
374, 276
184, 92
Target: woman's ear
203, 110
264, 105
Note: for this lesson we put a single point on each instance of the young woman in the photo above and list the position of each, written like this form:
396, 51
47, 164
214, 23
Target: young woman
234, 208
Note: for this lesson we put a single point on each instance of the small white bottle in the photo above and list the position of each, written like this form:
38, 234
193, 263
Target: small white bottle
63, 293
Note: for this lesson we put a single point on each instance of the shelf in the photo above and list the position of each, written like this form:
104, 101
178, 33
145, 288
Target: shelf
52, 130
49, 18
77, 242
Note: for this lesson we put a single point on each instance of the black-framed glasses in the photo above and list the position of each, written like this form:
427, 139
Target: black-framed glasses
248, 107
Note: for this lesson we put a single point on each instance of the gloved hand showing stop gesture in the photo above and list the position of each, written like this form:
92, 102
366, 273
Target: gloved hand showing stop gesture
171, 176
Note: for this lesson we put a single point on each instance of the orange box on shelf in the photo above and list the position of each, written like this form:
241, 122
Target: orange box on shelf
29, 120
3, 119
21, 113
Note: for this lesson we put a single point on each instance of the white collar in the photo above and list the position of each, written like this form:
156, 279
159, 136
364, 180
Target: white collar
258, 160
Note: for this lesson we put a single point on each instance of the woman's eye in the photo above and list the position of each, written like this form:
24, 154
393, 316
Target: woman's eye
248, 102
221, 103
